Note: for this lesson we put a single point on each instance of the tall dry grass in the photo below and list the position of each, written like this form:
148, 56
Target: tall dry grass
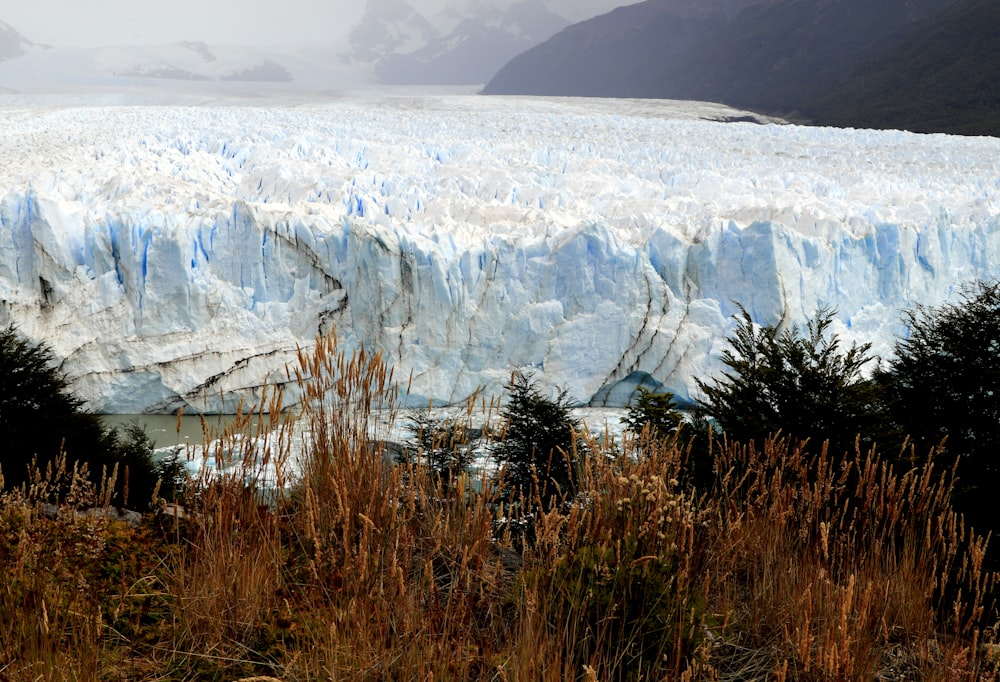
829, 568
308, 554
226, 580
60, 568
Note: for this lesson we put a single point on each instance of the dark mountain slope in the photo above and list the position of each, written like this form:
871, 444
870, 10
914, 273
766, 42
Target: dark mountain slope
777, 54
796, 58
943, 76
619, 54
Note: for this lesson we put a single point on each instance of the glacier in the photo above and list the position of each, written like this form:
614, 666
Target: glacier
179, 256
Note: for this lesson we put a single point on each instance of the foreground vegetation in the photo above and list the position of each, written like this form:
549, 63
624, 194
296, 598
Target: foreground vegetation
40, 419
782, 562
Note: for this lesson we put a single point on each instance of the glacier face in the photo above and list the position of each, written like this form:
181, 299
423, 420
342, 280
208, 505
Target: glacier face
178, 256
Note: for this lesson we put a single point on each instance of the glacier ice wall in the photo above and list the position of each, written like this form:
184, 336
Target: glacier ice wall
179, 256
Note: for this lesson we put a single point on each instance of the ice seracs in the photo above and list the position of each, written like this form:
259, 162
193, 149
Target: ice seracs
178, 256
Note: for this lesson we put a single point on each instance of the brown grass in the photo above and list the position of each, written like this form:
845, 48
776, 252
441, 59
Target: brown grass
843, 569
791, 566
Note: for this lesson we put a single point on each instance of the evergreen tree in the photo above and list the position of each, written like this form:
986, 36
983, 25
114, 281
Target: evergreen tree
798, 382
658, 411
445, 445
40, 419
943, 385
539, 451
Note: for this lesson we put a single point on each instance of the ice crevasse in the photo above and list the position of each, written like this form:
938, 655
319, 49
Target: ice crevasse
178, 256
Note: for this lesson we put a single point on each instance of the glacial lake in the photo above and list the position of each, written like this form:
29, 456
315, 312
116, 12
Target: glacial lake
166, 432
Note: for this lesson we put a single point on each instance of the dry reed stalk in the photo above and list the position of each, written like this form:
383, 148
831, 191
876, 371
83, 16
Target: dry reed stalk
53, 624
830, 564
229, 580
611, 580
405, 567
791, 566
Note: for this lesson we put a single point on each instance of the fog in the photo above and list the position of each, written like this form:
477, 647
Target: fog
90, 23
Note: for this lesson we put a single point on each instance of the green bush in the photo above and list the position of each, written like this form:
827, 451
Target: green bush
620, 605
657, 411
798, 382
446, 445
943, 385
40, 419
133, 449
539, 451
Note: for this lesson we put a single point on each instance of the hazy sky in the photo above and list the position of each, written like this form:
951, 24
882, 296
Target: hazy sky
85, 23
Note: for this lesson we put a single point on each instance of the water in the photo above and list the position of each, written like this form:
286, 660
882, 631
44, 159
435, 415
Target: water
166, 432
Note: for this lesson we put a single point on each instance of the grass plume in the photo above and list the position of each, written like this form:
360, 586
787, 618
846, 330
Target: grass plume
792, 564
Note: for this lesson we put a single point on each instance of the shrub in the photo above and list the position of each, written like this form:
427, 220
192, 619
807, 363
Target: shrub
538, 448
944, 383
843, 570
38, 414
798, 382
446, 445
657, 411
134, 449
654, 420
621, 600
40, 419
306, 555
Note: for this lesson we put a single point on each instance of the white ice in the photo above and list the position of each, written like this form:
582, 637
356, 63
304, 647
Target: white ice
178, 256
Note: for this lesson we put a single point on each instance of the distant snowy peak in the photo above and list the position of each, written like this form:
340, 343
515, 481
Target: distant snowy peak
390, 27
533, 21
529, 19
182, 70
471, 43
448, 19
199, 48
13, 44
265, 72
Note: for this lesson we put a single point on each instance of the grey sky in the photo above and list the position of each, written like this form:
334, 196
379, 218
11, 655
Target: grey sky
88, 23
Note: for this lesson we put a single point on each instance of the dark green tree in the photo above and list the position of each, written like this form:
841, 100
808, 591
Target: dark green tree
40, 419
943, 384
657, 411
799, 382
539, 451
656, 416
134, 451
446, 445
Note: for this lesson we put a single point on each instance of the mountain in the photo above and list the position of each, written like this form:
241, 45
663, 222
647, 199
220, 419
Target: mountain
461, 45
185, 67
180, 256
619, 54
265, 72
13, 44
390, 27
775, 55
941, 76
192, 61
473, 51
845, 62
